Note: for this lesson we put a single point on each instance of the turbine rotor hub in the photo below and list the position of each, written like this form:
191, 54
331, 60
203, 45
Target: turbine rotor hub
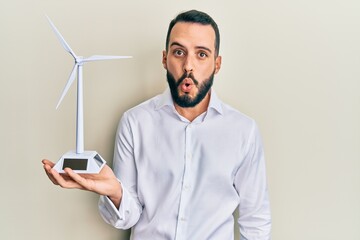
79, 60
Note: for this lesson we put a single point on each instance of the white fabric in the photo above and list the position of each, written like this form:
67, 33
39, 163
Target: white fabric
183, 180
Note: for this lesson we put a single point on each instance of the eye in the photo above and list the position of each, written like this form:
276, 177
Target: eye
202, 55
178, 52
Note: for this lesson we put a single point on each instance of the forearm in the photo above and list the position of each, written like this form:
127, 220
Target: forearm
255, 223
251, 183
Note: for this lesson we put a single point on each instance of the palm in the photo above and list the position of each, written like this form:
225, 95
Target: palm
100, 183
103, 183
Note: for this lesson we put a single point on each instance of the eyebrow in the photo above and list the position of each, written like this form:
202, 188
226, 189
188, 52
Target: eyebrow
197, 47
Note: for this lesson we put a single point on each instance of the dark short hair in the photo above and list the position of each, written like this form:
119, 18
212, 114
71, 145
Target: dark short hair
194, 16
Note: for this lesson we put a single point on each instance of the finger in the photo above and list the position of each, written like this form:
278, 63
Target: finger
47, 162
65, 183
83, 182
47, 169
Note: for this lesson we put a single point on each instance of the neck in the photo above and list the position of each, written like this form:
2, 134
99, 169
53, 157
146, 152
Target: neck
193, 112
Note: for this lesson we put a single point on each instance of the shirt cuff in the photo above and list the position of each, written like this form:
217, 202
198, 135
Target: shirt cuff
117, 213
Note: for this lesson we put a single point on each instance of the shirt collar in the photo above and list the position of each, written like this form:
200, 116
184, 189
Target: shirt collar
165, 99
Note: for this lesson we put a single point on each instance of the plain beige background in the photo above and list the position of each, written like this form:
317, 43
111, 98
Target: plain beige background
294, 66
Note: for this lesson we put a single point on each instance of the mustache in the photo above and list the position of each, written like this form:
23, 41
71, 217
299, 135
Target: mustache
187, 75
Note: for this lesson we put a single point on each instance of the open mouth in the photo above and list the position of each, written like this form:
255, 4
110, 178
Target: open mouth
186, 85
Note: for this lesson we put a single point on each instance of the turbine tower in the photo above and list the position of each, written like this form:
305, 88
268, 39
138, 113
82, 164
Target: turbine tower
80, 161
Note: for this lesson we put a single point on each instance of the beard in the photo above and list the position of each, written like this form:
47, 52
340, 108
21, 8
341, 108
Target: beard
186, 101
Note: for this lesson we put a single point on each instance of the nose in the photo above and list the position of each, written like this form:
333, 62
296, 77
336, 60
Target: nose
188, 65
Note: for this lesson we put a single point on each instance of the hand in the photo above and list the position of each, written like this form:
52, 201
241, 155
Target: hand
104, 183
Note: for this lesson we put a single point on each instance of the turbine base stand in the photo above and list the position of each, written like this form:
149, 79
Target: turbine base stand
89, 162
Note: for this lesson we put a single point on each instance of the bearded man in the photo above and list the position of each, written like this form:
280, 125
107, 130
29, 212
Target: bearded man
183, 160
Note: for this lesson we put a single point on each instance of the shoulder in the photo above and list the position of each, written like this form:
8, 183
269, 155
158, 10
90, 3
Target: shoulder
237, 117
240, 123
142, 110
243, 125
229, 115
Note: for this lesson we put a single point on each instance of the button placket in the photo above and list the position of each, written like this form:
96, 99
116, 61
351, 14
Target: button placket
186, 186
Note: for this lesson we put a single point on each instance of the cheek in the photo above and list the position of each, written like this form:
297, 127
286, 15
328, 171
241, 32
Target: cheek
205, 70
175, 67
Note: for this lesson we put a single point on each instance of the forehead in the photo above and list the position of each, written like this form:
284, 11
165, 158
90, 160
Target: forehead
193, 35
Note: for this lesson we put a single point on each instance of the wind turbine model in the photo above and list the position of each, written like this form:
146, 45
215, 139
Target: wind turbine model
80, 161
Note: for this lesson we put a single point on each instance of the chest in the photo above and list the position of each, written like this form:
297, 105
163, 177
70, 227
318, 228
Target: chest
208, 150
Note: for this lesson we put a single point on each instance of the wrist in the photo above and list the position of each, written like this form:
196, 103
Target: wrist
116, 196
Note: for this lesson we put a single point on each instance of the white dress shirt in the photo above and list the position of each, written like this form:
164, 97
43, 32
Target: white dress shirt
183, 180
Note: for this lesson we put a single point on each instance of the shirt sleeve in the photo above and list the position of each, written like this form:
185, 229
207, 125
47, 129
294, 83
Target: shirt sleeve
250, 181
129, 211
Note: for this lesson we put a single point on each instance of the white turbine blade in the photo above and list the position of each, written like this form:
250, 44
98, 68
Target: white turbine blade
68, 84
61, 39
103, 57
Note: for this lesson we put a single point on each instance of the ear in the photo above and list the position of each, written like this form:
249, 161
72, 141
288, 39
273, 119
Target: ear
164, 59
217, 64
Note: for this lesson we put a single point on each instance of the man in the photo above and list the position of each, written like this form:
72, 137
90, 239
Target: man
184, 160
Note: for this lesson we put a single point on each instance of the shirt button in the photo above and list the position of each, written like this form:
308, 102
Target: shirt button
183, 219
187, 187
